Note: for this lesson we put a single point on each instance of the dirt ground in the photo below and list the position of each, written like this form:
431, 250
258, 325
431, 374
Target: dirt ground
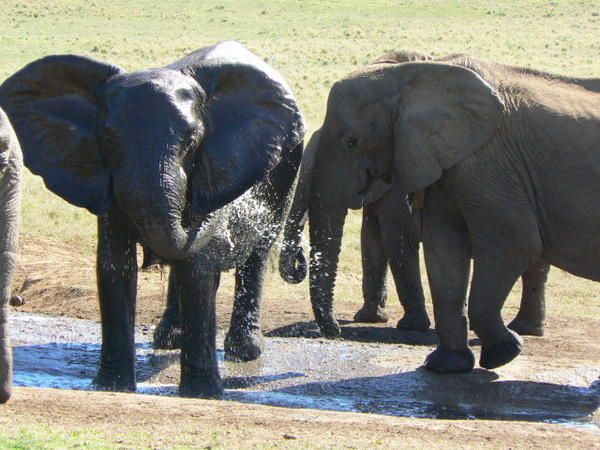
132, 420
55, 280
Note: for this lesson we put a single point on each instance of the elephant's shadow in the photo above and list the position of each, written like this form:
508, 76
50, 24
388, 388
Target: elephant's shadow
359, 333
422, 394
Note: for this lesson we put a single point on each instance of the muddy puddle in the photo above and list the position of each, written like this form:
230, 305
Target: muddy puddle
325, 374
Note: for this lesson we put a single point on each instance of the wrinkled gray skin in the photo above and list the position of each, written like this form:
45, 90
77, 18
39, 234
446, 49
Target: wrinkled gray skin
11, 162
387, 225
509, 163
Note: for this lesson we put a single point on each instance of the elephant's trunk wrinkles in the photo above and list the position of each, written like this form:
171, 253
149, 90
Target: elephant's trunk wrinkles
157, 212
326, 226
325, 243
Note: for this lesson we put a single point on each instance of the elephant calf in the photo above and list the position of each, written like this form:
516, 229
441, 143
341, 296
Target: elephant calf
10, 199
389, 236
195, 160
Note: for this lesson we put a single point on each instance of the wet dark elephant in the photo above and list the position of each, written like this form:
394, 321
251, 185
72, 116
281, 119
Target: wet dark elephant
11, 163
389, 236
195, 160
507, 163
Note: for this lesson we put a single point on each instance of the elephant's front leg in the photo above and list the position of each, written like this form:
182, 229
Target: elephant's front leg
532, 313
244, 340
117, 279
167, 334
447, 257
374, 266
198, 283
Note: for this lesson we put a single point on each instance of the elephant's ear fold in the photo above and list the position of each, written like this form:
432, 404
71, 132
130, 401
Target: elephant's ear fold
445, 113
252, 122
52, 107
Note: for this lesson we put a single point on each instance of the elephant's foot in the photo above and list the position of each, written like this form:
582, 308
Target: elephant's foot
330, 328
201, 386
445, 360
368, 314
5, 392
110, 380
501, 352
414, 322
168, 334
526, 327
244, 346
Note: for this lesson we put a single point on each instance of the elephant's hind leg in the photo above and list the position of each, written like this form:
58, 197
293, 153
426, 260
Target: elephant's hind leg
168, 332
532, 313
244, 340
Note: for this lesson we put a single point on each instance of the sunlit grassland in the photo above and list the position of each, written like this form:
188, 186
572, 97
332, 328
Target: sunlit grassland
312, 43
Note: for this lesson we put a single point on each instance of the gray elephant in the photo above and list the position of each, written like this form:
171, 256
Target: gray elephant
195, 160
506, 161
10, 201
389, 235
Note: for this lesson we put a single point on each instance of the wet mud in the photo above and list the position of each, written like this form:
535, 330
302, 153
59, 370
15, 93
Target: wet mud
341, 375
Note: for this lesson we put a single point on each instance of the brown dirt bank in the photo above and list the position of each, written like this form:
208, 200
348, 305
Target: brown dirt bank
132, 421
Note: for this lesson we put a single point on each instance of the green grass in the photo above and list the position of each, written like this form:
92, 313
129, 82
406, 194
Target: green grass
311, 42
44, 437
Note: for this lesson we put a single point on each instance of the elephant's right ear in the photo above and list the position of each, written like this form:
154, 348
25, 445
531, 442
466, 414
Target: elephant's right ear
252, 123
445, 113
52, 106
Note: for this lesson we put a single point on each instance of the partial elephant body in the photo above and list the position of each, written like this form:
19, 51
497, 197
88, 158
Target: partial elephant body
10, 198
196, 161
549, 132
509, 163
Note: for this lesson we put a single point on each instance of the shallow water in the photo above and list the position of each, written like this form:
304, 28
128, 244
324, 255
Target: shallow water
323, 374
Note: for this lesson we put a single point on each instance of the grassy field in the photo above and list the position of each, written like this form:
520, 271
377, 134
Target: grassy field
312, 43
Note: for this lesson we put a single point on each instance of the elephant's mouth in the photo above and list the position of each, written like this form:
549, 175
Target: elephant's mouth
372, 190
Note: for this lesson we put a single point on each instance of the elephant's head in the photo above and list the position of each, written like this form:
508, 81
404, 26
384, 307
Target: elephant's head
412, 120
292, 261
167, 145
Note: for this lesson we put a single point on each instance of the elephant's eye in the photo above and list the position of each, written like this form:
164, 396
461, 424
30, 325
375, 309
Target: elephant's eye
351, 142
109, 140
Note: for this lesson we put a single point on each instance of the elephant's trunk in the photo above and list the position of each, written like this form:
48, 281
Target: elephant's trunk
10, 202
156, 207
292, 261
5, 356
326, 225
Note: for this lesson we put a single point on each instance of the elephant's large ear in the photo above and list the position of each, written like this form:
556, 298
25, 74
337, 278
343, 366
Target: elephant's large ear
252, 122
445, 113
52, 107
